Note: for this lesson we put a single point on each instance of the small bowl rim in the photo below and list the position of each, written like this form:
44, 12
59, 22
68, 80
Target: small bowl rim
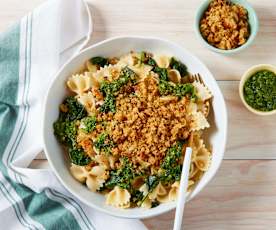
253, 32
244, 78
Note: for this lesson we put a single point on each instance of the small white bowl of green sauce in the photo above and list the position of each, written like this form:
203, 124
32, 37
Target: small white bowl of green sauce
257, 89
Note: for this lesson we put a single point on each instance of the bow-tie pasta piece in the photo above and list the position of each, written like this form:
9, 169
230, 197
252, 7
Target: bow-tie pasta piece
190, 185
203, 158
199, 122
118, 197
159, 193
93, 178
79, 83
192, 108
173, 193
130, 59
204, 107
107, 160
162, 61
202, 92
88, 101
142, 71
95, 84
147, 203
108, 73
193, 169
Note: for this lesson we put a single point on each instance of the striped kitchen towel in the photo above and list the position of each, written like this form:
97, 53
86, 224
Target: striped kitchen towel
30, 53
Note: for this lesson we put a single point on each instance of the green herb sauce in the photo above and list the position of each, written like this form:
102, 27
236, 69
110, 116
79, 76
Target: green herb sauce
260, 91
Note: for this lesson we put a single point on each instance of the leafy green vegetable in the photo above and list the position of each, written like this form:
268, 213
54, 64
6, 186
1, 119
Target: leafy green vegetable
121, 177
89, 124
172, 156
126, 75
136, 196
109, 104
155, 203
74, 110
100, 61
109, 89
151, 62
65, 129
78, 156
175, 64
165, 88
152, 181
260, 91
65, 132
162, 72
171, 170
104, 143
179, 90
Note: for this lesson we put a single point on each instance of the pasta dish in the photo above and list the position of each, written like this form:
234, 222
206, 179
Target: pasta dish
126, 124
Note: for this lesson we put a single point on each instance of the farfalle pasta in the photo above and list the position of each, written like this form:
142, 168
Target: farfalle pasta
127, 123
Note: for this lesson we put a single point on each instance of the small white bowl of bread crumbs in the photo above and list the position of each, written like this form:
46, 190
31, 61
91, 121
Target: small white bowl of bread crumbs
226, 26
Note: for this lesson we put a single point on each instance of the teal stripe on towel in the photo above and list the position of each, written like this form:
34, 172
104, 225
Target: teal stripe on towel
51, 214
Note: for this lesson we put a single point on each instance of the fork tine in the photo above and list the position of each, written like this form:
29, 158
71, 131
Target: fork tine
191, 78
200, 79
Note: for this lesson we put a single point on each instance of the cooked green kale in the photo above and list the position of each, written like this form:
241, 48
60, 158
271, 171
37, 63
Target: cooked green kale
113, 87
109, 104
171, 169
78, 156
155, 204
104, 143
65, 129
73, 110
65, 132
179, 90
151, 62
121, 177
162, 72
152, 182
175, 64
100, 61
136, 196
89, 124
110, 89
165, 88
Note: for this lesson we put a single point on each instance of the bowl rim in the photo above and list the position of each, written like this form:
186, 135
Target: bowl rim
244, 78
200, 11
101, 209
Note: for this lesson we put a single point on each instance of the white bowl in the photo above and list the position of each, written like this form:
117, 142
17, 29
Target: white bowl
216, 135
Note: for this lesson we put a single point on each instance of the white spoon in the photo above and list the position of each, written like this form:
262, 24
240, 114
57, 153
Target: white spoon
182, 190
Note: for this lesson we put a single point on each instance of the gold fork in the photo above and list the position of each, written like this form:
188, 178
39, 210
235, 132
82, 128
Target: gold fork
196, 77
206, 104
